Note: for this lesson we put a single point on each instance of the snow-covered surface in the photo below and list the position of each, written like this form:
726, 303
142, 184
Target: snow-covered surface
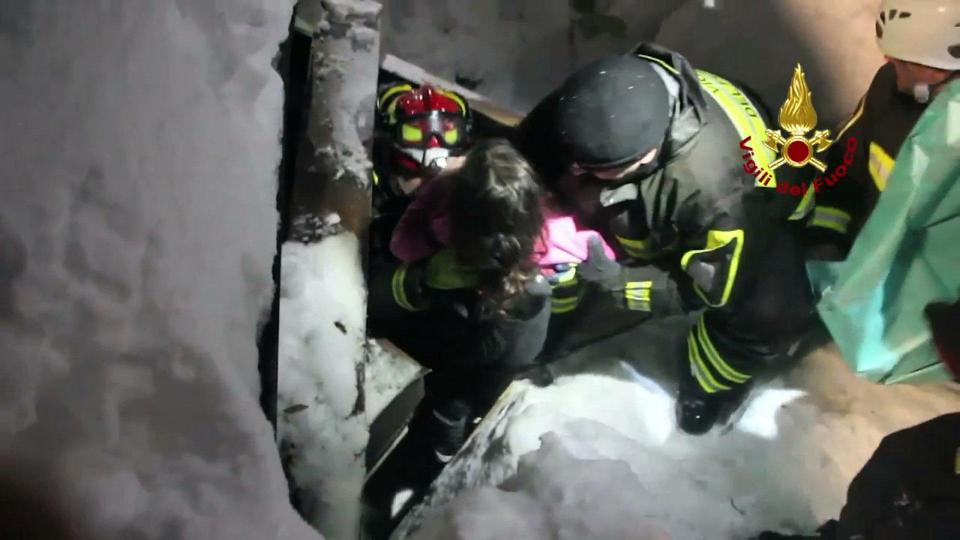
388, 372
598, 453
323, 426
140, 144
519, 50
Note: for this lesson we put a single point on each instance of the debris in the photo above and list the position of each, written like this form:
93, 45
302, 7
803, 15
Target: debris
295, 408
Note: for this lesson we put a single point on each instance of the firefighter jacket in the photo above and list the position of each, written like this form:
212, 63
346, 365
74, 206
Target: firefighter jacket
700, 232
875, 131
432, 309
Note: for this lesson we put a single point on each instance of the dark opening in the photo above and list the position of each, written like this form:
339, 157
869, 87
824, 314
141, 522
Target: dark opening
291, 63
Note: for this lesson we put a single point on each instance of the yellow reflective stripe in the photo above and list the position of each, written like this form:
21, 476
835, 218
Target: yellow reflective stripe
455, 97
376, 177
703, 375
745, 118
831, 218
807, 204
390, 93
393, 90
564, 305
827, 224
568, 302
634, 243
725, 369
662, 63
716, 240
640, 249
643, 294
638, 290
399, 292
852, 120
880, 165
567, 277
637, 295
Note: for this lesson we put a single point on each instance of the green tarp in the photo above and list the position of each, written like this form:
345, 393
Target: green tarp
906, 256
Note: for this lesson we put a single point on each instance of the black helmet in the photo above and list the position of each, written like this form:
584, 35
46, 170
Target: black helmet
612, 111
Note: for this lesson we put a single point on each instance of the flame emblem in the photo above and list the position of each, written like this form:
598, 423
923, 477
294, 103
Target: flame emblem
797, 118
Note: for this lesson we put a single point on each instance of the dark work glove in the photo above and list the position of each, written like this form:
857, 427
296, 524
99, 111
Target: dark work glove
636, 288
600, 269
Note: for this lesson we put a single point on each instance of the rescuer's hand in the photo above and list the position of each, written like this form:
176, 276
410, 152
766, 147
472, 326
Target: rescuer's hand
600, 269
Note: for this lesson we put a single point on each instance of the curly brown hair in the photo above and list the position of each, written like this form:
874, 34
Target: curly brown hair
496, 219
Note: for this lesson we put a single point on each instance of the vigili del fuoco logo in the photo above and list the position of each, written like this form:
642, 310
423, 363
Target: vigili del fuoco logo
797, 118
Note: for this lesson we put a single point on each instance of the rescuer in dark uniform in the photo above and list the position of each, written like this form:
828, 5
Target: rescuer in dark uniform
921, 41
647, 151
420, 129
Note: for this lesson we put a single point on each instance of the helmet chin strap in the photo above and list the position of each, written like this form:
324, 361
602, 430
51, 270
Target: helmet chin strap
921, 92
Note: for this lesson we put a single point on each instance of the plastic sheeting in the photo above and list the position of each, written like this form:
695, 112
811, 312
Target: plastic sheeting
906, 256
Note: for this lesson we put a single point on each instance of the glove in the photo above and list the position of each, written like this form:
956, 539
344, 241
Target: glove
600, 269
641, 288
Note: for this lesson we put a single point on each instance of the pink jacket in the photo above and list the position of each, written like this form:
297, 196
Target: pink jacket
424, 229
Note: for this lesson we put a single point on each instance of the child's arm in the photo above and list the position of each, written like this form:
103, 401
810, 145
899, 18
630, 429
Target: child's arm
413, 239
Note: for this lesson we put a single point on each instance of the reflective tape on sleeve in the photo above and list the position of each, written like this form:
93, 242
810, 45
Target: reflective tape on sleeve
831, 218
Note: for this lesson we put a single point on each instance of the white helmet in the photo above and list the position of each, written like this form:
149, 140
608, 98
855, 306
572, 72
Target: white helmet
921, 31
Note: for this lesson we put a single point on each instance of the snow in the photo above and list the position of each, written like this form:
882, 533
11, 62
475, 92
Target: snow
324, 419
141, 144
322, 335
547, 465
388, 372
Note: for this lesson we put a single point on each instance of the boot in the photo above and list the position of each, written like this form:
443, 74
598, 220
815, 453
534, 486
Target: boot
699, 411
454, 422
437, 432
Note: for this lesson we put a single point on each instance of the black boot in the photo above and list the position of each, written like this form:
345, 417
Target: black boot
697, 414
437, 432
698, 411
453, 422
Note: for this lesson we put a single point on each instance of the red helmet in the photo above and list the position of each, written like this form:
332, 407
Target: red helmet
424, 124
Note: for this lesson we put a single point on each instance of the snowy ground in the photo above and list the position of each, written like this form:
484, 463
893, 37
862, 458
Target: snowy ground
324, 415
140, 144
323, 426
598, 455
